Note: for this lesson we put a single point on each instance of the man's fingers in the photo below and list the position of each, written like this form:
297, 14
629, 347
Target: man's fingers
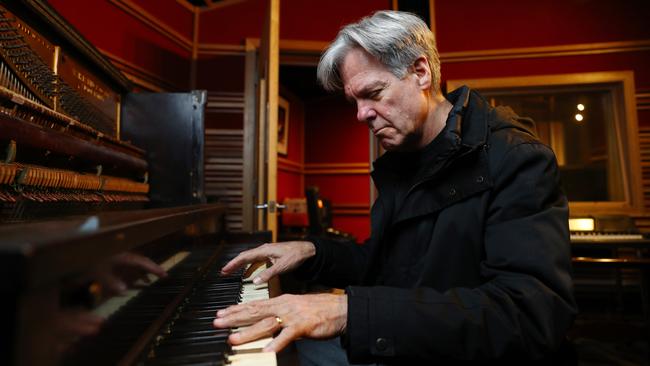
265, 275
141, 262
114, 284
258, 254
286, 336
244, 314
152, 267
253, 267
262, 329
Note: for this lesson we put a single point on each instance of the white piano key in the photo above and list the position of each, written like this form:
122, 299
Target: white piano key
110, 306
255, 345
253, 359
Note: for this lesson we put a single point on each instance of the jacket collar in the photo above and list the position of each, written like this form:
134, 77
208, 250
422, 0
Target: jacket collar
466, 128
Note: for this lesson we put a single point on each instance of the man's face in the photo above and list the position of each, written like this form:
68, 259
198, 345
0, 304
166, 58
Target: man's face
394, 109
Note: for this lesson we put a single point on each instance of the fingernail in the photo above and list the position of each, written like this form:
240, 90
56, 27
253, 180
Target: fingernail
267, 349
257, 280
220, 312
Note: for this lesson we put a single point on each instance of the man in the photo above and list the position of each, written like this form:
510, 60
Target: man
469, 251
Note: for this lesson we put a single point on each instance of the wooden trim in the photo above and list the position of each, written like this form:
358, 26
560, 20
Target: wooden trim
297, 45
186, 5
290, 169
336, 168
546, 51
621, 79
221, 49
308, 47
323, 168
350, 209
139, 75
154, 23
272, 51
220, 4
288, 162
336, 165
336, 212
543, 80
336, 171
250, 141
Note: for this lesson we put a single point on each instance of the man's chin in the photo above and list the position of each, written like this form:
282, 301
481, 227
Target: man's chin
387, 145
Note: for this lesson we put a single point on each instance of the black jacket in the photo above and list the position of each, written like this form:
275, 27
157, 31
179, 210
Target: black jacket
472, 260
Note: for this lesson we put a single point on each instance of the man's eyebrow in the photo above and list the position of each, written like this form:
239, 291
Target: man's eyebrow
367, 89
372, 86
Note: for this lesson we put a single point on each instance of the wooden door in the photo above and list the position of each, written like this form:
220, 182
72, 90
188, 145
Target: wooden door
260, 206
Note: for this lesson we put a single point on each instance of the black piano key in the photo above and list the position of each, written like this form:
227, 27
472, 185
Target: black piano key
188, 337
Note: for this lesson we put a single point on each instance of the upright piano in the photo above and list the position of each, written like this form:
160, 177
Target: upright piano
91, 175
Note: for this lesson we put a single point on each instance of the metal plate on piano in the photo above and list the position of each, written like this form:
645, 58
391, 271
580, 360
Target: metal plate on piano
102, 109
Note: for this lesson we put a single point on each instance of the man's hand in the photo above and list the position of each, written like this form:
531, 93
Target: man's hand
317, 316
119, 272
284, 257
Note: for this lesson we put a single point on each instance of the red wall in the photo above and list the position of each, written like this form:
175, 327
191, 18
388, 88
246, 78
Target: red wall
111, 29
290, 179
299, 19
481, 25
537, 24
331, 134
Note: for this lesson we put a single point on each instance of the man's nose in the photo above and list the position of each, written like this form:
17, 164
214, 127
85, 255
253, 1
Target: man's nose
365, 113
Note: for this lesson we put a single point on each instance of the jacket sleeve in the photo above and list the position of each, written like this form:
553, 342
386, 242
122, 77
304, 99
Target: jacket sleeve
335, 264
524, 307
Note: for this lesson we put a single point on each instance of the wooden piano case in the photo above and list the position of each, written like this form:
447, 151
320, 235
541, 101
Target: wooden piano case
88, 170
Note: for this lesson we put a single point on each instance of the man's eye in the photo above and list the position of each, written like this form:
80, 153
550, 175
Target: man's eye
374, 94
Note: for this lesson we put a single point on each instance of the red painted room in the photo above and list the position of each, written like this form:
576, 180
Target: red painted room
285, 182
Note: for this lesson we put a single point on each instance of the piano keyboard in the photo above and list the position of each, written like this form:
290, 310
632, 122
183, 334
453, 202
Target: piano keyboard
605, 237
183, 333
112, 305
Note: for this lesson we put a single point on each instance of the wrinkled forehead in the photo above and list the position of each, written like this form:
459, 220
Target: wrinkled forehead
359, 70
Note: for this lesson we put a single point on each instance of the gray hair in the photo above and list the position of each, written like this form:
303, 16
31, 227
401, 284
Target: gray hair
395, 38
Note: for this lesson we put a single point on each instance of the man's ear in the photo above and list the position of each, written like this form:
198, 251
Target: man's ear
422, 72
